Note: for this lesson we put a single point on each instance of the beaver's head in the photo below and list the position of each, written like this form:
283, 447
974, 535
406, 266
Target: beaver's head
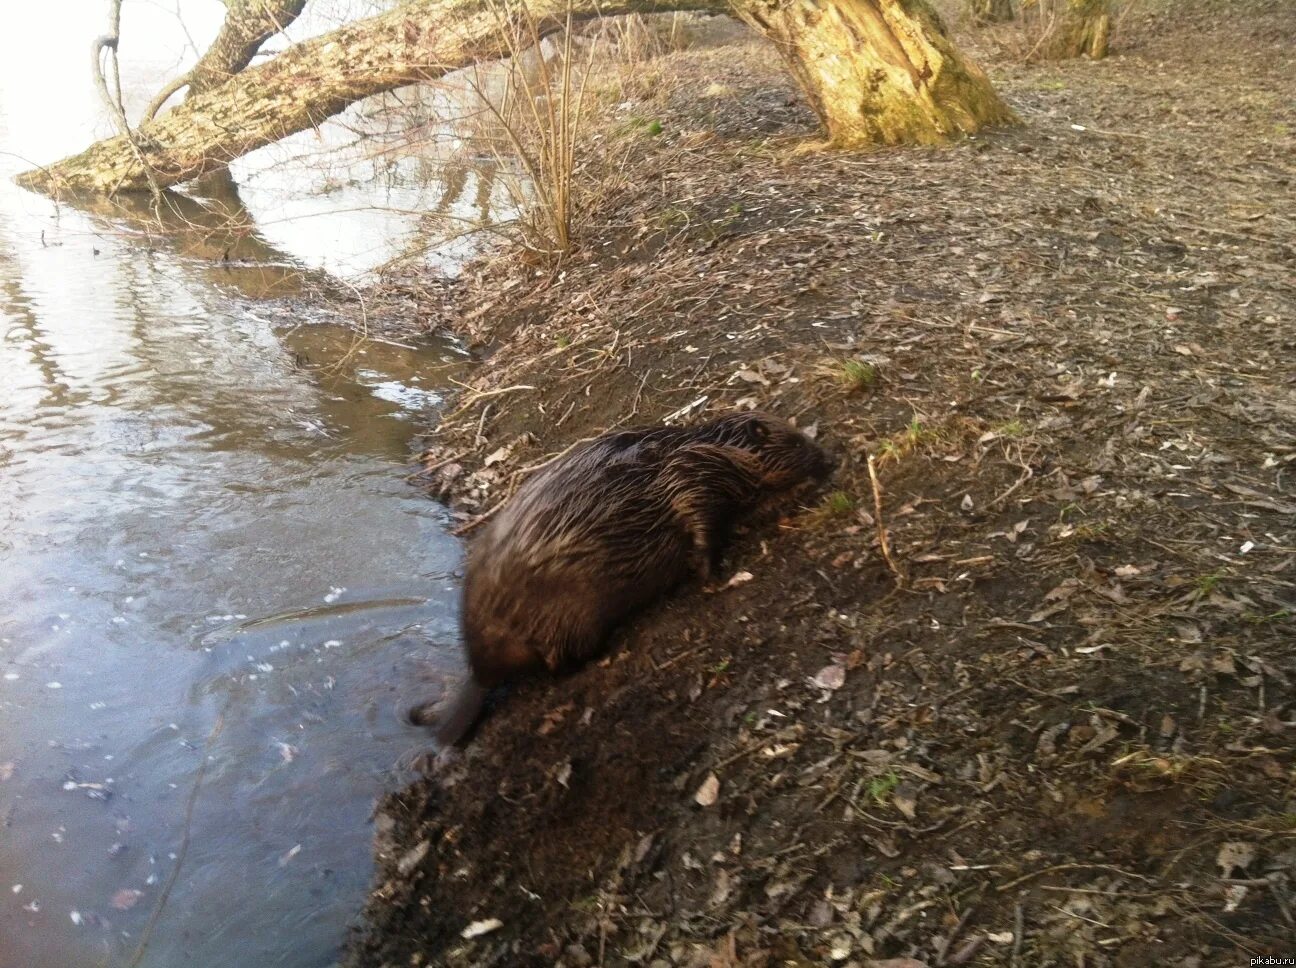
787, 456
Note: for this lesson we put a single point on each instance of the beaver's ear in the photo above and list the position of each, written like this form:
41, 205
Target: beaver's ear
758, 429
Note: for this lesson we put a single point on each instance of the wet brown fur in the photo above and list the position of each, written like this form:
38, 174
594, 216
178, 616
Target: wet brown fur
603, 531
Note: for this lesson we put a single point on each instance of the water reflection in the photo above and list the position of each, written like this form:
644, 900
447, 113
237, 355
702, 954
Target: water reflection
208, 552
210, 225
198, 526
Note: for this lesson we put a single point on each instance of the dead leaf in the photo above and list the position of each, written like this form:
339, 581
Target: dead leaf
708, 792
1091, 649
1062, 592
554, 717
751, 376
831, 677
6, 771
739, 578
478, 928
723, 887
642, 848
126, 898
1234, 855
1104, 733
1224, 664
1049, 612
564, 774
884, 844
413, 857
906, 799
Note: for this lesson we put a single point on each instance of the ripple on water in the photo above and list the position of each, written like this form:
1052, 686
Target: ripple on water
167, 462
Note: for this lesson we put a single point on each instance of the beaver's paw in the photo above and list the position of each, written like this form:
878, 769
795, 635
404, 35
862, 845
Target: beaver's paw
424, 714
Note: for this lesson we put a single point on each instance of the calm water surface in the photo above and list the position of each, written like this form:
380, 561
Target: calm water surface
209, 553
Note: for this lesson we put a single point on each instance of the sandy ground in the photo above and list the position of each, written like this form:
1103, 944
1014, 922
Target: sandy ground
1058, 728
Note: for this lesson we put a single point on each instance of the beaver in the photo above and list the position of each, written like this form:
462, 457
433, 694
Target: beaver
602, 531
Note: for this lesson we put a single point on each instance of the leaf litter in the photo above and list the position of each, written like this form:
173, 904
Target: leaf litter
1063, 731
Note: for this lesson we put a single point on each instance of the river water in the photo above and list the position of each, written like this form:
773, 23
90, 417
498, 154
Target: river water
217, 589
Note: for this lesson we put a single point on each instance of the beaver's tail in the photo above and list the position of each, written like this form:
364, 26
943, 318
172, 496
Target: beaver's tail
451, 721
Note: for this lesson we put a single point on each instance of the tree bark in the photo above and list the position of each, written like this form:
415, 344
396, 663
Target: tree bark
875, 71
416, 41
248, 24
991, 11
878, 71
1083, 30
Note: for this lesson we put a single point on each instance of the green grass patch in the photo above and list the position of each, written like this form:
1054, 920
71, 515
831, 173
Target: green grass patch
857, 376
880, 788
838, 504
1206, 584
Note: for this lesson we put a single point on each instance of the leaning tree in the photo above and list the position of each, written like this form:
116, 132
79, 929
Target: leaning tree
1069, 28
990, 11
1083, 29
874, 71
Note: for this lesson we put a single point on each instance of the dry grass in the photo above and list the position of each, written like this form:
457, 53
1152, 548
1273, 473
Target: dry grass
539, 115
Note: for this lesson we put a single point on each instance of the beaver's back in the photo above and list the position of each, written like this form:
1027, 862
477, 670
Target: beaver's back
583, 543
609, 527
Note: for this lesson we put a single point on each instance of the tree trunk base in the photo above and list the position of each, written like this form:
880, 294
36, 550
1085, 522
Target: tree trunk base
991, 11
1084, 30
878, 72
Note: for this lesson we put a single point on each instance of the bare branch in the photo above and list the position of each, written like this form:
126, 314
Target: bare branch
109, 42
312, 80
164, 95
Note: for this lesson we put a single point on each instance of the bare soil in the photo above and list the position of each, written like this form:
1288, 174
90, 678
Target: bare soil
1060, 730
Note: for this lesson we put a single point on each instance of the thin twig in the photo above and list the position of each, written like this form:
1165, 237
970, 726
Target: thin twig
478, 396
184, 846
943, 951
1019, 927
883, 543
109, 42
162, 96
1072, 867
431, 468
1008, 493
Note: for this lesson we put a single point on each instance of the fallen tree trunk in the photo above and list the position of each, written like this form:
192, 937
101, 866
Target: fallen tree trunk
306, 84
875, 71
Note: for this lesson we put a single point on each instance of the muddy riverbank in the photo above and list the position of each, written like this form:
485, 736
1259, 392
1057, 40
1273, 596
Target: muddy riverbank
1060, 729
